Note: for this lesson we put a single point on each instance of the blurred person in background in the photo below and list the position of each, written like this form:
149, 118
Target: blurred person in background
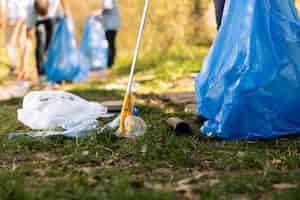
109, 12
2, 22
2, 12
13, 16
219, 9
42, 17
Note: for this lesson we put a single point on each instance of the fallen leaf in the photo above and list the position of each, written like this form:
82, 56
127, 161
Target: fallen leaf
241, 197
144, 149
276, 161
214, 182
40, 172
180, 98
87, 170
191, 108
85, 153
157, 186
241, 154
284, 186
196, 177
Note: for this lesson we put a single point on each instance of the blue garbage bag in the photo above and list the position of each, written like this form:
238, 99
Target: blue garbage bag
65, 61
94, 44
249, 87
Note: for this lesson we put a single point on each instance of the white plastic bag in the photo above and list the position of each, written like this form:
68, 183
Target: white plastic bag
46, 110
82, 130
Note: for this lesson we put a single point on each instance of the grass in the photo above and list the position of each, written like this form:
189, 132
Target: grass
159, 165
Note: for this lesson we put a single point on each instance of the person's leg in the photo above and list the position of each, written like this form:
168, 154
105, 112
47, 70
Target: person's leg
111, 38
40, 36
49, 28
22, 46
12, 31
44, 31
30, 73
219, 8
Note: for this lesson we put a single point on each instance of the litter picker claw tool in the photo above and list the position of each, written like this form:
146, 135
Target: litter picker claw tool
126, 118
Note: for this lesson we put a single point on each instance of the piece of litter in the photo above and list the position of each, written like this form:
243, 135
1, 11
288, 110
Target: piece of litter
46, 110
49, 110
113, 106
15, 91
82, 130
113, 124
134, 126
179, 126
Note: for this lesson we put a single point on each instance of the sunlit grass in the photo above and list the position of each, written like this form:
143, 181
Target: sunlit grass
153, 166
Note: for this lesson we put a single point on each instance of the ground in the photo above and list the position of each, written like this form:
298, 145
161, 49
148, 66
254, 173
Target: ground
159, 165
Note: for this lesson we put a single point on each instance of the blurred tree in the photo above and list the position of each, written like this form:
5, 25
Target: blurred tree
197, 7
186, 22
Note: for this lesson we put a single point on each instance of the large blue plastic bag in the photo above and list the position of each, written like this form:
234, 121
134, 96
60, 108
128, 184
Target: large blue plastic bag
249, 87
65, 61
94, 44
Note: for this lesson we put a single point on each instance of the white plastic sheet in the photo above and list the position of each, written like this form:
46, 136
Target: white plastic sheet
46, 110
81, 130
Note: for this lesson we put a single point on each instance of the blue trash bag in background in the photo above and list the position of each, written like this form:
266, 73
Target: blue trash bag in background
94, 44
249, 87
65, 61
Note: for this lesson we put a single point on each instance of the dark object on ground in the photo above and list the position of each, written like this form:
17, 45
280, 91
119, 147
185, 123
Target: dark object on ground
179, 126
113, 106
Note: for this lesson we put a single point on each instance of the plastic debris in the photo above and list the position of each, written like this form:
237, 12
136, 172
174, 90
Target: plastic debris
250, 82
113, 124
65, 61
94, 44
15, 91
134, 127
78, 131
45, 110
